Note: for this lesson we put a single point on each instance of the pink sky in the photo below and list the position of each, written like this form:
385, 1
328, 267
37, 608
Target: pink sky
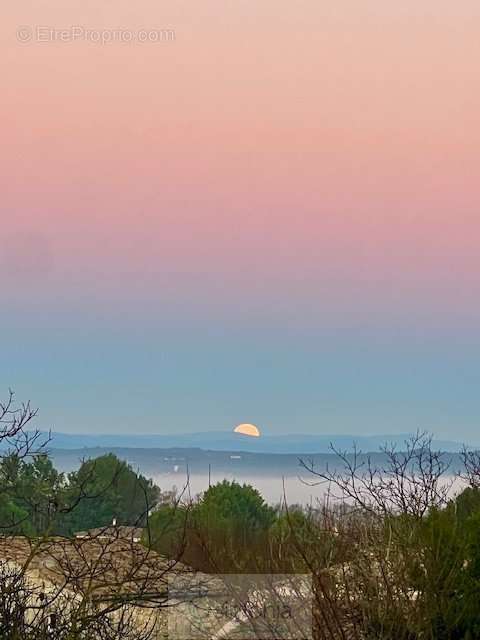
321, 157
274, 218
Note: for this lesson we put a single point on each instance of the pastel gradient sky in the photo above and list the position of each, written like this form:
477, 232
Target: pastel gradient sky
275, 218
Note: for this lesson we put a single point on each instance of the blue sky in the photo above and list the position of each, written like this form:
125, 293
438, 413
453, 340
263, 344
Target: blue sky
195, 378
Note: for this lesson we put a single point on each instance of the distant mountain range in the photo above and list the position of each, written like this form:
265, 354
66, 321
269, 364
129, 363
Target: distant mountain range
266, 462
228, 441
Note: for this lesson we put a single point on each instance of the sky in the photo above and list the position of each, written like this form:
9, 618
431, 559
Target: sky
269, 214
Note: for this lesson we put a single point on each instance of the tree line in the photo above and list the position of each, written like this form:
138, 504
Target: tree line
393, 550
37, 499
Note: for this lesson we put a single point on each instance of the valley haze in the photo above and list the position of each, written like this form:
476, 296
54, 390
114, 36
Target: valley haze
273, 464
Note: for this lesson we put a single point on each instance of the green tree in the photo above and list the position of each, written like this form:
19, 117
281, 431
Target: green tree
298, 543
442, 559
232, 523
31, 492
106, 488
169, 532
226, 530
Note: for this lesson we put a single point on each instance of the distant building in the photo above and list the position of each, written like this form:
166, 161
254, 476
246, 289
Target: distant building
112, 532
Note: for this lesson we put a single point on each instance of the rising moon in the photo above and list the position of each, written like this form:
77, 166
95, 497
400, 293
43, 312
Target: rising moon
248, 430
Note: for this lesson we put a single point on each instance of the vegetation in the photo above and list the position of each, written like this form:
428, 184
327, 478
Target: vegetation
229, 523
396, 558
54, 586
105, 489
37, 499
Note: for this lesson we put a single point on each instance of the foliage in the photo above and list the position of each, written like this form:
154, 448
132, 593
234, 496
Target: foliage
74, 601
225, 530
31, 490
399, 560
414, 573
37, 499
105, 489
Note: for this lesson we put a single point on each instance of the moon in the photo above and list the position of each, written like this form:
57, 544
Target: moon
248, 430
